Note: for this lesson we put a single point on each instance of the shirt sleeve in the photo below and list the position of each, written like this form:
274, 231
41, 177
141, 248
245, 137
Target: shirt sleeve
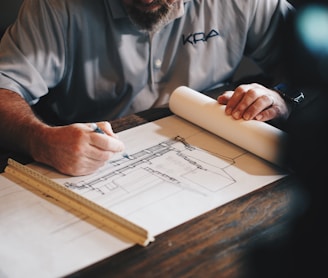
32, 51
264, 43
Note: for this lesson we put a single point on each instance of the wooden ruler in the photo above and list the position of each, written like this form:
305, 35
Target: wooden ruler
116, 223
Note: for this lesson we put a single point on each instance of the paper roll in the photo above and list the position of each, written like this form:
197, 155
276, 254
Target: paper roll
259, 138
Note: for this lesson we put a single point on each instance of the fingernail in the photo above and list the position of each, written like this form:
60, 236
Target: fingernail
236, 115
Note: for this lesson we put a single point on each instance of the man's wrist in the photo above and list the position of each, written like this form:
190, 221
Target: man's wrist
292, 97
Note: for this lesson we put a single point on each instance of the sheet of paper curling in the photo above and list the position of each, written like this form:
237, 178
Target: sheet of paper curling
259, 138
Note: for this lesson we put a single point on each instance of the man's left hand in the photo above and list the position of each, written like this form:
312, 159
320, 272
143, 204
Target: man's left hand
254, 102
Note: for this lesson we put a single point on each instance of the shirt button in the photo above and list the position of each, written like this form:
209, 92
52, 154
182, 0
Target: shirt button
158, 63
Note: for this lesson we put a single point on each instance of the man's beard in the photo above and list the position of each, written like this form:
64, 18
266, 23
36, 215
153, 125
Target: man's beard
150, 21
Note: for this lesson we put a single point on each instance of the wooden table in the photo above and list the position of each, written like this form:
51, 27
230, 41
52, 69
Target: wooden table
216, 244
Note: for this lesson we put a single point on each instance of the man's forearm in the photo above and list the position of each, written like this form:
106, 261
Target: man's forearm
18, 124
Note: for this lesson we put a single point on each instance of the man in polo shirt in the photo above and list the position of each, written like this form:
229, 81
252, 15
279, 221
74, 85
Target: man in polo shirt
66, 63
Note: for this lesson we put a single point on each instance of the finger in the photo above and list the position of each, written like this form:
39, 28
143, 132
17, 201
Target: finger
102, 128
235, 99
266, 115
107, 128
272, 101
224, 97
114, 145
260, 104
244, 105
94, 157
110, 142
106, 143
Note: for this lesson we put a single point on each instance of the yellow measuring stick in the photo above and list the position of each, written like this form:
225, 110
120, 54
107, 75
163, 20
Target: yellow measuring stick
116, 223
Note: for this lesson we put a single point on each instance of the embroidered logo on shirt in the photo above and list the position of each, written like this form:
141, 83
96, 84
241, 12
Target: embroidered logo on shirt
199, 37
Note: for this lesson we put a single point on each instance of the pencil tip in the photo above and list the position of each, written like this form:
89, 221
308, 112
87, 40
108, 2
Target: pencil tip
125, 155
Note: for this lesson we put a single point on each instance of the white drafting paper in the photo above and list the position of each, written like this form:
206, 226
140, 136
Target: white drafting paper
176, 172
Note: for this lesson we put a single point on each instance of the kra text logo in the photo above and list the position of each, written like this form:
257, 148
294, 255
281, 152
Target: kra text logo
199, 37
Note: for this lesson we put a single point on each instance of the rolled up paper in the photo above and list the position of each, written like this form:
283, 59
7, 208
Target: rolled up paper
259, 138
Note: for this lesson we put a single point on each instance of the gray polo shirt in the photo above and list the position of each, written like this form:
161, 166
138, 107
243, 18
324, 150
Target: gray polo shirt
84, 60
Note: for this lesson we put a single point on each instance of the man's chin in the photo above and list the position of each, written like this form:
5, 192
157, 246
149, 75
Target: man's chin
148, 23
150, 18
147, 28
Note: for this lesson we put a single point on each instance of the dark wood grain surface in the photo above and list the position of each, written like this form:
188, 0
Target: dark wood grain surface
215, 244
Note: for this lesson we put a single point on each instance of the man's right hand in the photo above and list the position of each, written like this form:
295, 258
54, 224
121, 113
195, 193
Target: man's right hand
73, 149
76, 149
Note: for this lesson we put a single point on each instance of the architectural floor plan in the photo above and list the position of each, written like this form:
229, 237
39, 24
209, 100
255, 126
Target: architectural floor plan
172, 164
165, 175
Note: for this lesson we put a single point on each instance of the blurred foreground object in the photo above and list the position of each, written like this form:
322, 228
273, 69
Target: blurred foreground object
302, 250
307, 46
